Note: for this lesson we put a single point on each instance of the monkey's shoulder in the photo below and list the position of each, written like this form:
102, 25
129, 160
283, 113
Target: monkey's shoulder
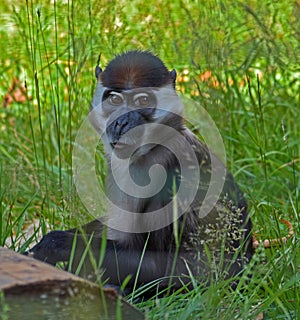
199, 148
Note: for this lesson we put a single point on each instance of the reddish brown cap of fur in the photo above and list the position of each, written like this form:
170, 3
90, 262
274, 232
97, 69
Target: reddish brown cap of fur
135, 69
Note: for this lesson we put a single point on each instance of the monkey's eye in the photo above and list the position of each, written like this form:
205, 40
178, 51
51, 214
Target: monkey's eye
115, 98
141, 100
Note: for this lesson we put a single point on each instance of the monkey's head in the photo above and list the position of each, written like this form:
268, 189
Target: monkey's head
136, 69
133, 93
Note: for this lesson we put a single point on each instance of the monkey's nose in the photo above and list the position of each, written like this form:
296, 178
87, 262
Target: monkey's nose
121, 125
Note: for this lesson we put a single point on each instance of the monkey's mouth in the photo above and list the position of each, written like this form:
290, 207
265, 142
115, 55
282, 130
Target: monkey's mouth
122, 150
119, 145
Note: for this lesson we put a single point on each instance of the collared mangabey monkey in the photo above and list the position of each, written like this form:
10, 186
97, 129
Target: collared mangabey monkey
178, 227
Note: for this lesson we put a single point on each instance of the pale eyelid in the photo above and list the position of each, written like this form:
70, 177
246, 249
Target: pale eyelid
116, 94
139, 95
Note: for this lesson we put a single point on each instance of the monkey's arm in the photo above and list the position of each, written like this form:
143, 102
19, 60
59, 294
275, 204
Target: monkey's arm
118, 262
56, 246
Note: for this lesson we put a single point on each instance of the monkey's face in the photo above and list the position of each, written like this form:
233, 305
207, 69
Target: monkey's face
127, 112
134, 92
130, 121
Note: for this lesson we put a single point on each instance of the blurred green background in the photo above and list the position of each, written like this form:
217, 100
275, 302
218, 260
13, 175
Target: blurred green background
239, 60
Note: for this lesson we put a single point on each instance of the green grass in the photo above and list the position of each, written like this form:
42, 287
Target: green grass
252, 94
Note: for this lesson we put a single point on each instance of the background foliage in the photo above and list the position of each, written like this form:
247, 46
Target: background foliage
240, 60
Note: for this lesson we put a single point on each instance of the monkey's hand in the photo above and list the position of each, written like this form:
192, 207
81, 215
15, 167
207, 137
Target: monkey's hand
54, 247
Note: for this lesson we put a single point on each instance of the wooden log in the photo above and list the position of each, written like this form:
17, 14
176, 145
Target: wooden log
30, 289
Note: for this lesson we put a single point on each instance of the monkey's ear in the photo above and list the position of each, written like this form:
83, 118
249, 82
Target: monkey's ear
173, 75
98, 70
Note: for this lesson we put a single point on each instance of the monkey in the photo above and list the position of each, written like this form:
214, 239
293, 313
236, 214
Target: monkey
175, 229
